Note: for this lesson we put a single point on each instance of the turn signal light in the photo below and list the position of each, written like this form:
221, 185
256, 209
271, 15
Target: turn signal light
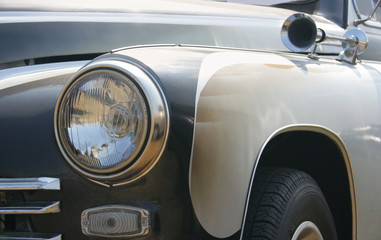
115, 221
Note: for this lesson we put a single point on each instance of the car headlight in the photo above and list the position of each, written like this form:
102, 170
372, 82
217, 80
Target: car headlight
111, 121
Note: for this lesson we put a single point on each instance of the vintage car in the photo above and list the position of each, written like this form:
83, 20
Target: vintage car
190, 119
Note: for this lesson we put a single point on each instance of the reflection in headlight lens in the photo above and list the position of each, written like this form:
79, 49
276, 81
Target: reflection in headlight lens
102, 121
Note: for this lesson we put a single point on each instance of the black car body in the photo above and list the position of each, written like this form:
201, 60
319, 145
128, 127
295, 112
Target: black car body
220, 111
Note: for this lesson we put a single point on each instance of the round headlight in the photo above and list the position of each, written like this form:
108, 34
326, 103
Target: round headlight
103, 121
112, 121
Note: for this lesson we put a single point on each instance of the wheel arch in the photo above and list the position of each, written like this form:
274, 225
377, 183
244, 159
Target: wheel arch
300, 147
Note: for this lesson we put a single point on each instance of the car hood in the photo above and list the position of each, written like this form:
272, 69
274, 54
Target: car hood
41, 30
191, 7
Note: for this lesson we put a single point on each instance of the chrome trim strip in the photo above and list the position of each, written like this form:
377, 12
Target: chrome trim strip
341, 146
142, 46
29, 236
22, 75
42, 183
144, 218
129, 17
158, 128
30, 207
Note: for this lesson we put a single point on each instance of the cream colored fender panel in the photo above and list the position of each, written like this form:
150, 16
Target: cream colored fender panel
243, 98
214, 132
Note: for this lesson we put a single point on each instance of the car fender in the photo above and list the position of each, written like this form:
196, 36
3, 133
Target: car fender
244, 98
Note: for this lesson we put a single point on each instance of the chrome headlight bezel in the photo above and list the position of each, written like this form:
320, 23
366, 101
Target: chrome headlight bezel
157, 127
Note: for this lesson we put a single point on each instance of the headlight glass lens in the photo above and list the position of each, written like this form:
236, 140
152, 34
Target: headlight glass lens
102, 121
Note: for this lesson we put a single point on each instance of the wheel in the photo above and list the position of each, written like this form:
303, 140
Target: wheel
287, 204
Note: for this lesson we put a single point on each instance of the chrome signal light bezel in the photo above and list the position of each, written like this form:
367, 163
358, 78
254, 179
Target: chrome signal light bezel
158, 122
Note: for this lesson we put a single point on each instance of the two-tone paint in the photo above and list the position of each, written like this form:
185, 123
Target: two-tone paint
229, 108
225, 108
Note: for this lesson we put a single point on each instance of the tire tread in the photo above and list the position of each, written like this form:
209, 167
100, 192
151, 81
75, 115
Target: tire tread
272, 190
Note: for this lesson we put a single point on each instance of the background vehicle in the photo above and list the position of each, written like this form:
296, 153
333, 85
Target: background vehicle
188, 120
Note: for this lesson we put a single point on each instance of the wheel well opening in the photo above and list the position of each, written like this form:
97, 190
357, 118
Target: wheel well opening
320, 157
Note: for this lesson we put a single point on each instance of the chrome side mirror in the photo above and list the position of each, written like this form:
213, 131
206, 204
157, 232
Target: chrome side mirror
363, 20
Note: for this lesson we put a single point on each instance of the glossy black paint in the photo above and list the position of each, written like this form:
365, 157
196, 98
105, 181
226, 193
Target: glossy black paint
41, 39
29, 149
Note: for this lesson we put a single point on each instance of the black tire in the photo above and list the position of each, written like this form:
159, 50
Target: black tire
281, 200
